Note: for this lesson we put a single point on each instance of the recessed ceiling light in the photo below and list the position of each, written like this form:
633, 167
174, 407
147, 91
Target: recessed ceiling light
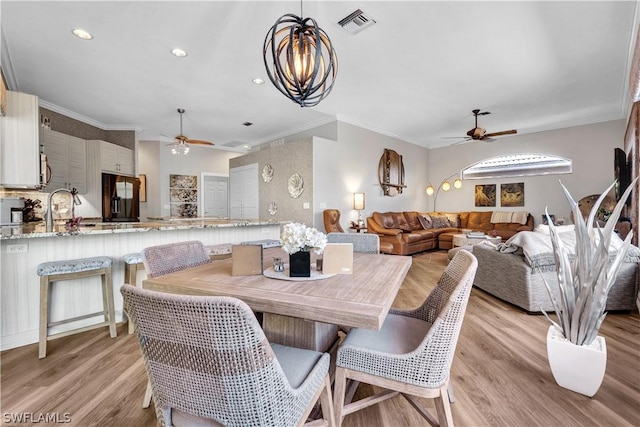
247, 123
78, 32
179, 52
246, 146
258, 81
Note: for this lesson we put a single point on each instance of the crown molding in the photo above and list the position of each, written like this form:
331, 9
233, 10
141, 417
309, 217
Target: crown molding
85, 119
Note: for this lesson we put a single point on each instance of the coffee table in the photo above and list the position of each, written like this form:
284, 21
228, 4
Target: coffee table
466, 240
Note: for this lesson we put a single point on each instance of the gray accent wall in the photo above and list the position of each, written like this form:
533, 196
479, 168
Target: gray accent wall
286, 159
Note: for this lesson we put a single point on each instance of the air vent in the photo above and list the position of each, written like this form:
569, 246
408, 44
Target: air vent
356, 22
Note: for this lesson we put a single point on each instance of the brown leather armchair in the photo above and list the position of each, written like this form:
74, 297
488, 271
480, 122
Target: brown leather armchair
332, 221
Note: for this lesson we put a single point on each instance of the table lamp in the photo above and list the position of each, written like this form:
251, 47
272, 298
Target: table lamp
358, 204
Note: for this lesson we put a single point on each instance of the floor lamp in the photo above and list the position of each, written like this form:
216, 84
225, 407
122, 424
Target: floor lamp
445, 185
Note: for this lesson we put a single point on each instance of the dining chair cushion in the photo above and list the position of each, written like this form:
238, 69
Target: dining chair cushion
296, 363
398, 335
184, 419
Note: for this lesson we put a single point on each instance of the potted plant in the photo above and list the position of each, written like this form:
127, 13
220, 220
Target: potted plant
298, 240
577, 355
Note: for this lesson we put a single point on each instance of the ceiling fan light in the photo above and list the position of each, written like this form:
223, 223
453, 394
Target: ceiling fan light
300, 59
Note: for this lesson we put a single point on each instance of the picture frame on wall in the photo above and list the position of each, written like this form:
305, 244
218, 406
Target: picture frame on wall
485, 195
3, 94
512, 195
143, 187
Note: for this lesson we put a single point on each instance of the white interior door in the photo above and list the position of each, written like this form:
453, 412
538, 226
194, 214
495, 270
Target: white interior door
215, 196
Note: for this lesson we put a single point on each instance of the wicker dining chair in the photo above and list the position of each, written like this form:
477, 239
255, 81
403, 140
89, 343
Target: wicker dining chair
164, 259
412, 353
366, 243
210, 363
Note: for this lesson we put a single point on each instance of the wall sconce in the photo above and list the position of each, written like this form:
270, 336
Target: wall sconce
358, 203
445, 185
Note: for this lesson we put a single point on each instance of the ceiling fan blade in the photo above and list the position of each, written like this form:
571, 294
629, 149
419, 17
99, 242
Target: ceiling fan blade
453, 137
466, 139
198, 141
504, 132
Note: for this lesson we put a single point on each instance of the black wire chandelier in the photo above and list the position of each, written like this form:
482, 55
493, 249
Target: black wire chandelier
300, 59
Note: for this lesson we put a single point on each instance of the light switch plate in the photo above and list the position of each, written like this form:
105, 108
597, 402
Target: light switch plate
305, 205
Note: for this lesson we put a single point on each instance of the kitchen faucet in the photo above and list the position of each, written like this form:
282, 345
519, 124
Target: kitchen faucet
49, 215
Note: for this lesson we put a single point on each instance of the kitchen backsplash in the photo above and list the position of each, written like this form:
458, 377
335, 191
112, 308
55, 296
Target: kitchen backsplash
61, 203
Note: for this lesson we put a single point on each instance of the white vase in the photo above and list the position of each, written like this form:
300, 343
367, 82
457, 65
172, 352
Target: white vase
579, 368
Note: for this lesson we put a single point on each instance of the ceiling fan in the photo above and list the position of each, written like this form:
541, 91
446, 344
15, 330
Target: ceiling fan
181, 143
480, 134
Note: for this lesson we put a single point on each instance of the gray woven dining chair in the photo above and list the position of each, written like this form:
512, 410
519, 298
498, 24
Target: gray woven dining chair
210, 363
412, 353
164, 259
362, 242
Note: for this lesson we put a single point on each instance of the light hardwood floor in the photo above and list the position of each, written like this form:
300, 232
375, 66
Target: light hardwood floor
500, 374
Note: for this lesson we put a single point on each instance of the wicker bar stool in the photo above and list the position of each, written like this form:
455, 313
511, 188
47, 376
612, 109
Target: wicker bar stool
132, 264
55, 271
221, 251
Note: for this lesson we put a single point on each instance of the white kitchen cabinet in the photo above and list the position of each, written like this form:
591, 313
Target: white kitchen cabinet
67, 156
19, 142
116, 159
243, 192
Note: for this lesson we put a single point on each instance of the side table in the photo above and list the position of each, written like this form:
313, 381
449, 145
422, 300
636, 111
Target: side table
358, 228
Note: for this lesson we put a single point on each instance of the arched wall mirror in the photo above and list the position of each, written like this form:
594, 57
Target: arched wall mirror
515, 165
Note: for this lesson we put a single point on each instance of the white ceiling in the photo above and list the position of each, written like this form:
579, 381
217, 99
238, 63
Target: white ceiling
415, 75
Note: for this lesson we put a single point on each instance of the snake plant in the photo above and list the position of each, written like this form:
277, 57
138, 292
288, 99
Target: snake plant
586, 275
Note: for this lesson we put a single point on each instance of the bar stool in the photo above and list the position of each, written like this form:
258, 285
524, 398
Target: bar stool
132, 264
56, 271
221, 251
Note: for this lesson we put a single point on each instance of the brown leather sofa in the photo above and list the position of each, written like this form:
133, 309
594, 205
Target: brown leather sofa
407, 233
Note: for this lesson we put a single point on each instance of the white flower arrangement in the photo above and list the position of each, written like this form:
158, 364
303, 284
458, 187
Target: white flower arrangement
297, 237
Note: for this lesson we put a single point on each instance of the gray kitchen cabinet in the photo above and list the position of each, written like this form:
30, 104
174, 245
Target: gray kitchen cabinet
67, 156
116, 159
19, 142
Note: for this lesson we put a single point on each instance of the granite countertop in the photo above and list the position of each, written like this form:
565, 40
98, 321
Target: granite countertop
37, 229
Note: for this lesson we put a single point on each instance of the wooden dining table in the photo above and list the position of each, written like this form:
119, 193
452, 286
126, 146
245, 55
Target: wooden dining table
304, 314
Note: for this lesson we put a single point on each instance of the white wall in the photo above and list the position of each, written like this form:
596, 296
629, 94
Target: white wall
157, 162
590, 147
350, 165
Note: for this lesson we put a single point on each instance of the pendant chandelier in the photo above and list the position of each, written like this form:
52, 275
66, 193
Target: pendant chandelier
300, 59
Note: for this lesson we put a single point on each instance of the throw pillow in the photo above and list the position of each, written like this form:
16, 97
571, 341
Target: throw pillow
453, 219
440, 222
425, 221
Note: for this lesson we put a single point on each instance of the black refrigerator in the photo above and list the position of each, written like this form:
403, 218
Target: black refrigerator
120, 198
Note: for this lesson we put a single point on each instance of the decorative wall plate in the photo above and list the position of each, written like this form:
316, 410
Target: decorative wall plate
273, 208
267, 173
295, 185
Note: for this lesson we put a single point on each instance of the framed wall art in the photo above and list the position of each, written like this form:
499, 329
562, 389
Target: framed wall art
143, 187
512, 195
183, 196
485, 195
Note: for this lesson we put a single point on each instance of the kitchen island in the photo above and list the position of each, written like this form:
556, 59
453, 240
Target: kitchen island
24, 247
